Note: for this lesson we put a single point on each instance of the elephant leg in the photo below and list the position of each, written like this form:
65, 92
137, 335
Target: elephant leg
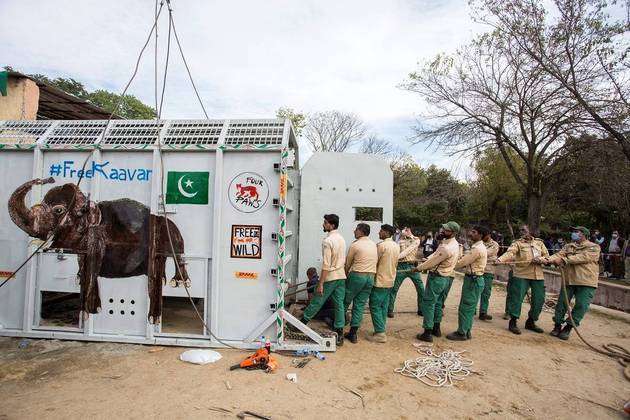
83, 287
155, 288
180, 276
94, 259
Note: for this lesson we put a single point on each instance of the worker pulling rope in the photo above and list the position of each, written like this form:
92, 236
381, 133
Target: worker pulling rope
437, 370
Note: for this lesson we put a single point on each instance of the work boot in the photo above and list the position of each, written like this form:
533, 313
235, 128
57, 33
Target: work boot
339, 341
390, 314
513, 327
377, 337
485, 317
530, 324
352, 335
437, 332
420, 313
457, 336
566, 331
556, 330
425, 336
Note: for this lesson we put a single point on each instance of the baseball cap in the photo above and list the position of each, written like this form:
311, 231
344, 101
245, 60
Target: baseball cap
452, 226
582, 229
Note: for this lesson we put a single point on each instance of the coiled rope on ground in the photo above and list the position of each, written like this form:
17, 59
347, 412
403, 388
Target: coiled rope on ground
437, 370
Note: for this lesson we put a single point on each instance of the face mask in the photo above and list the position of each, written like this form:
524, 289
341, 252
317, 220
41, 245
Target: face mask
614, 235
575, 236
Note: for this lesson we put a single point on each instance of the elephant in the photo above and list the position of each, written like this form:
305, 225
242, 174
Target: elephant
113, 239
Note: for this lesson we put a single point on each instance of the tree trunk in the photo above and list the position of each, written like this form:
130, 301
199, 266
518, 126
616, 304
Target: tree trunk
534, 211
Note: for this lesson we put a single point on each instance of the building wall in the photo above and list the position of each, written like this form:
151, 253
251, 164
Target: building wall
22, 100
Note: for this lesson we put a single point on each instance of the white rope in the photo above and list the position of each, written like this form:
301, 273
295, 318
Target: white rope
437, 370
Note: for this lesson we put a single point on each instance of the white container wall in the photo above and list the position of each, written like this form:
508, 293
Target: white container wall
222, 183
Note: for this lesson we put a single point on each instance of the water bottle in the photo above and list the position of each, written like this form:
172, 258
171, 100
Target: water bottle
268, 345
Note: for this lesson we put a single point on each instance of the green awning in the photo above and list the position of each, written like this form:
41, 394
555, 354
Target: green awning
4, 79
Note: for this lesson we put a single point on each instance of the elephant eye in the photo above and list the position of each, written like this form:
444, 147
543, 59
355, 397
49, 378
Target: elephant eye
59, 210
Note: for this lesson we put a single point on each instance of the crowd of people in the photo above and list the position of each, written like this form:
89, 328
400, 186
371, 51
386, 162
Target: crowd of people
368, 273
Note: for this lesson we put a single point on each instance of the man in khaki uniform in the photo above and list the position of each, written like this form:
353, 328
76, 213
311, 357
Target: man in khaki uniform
441, 265
332, 281
388, 251
579, 262
406, 261
524, 254
360, 270
492, 248
473, 264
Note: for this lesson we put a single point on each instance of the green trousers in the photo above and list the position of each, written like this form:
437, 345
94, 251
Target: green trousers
583, 297
507, 288
336, 290
379, 303
488, 279
435, 295
518, 290
358, 288
471, 292
400, 277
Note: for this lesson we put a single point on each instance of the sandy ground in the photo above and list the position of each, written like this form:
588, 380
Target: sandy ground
527, 376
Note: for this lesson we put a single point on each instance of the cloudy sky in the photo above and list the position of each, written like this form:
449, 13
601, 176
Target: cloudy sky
249, 58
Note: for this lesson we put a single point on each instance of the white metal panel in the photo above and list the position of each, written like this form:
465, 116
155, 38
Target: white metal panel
337, 183
244, 302
124, 305
64, 167
58, 272
197, 270
16, 167
129, 175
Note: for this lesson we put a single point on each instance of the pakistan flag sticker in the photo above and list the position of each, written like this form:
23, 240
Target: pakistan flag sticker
187, 188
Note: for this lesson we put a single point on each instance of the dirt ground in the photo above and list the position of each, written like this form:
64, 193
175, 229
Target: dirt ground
527, 376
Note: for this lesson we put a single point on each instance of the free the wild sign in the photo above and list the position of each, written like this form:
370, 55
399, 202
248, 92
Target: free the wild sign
246, 241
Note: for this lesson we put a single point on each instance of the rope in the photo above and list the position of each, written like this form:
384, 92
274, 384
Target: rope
437, 370
614, 350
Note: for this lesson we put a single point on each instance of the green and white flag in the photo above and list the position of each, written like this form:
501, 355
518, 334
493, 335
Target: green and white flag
187, 188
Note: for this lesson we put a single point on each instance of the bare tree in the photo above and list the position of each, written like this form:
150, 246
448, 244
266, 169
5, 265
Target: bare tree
333, 131
376, 146
489, 96
584, 51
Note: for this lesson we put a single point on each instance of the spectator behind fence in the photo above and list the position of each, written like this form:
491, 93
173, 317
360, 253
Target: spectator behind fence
613, 259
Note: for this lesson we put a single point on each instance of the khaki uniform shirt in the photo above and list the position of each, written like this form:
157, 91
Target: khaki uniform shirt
388, 252
582, 263
334, 256
362, 256
444, 258
408, 249
522, 252
474, 262
493, 250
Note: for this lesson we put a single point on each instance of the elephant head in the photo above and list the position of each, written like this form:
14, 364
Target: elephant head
42, 219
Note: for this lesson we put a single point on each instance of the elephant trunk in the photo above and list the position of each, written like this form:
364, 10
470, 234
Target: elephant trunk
36, 221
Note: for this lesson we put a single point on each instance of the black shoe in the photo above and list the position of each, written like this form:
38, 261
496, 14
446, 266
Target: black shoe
457, 336
556, 330
390, 314
420, 313
437, 332
513, 327
530, 324
352, 335
425, 336
566, 331
339, 341
485, 317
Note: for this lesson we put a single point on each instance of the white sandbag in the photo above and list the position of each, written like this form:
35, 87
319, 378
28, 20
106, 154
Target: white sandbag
200, 357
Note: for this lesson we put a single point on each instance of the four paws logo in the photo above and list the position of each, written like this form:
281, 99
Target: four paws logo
248, 192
